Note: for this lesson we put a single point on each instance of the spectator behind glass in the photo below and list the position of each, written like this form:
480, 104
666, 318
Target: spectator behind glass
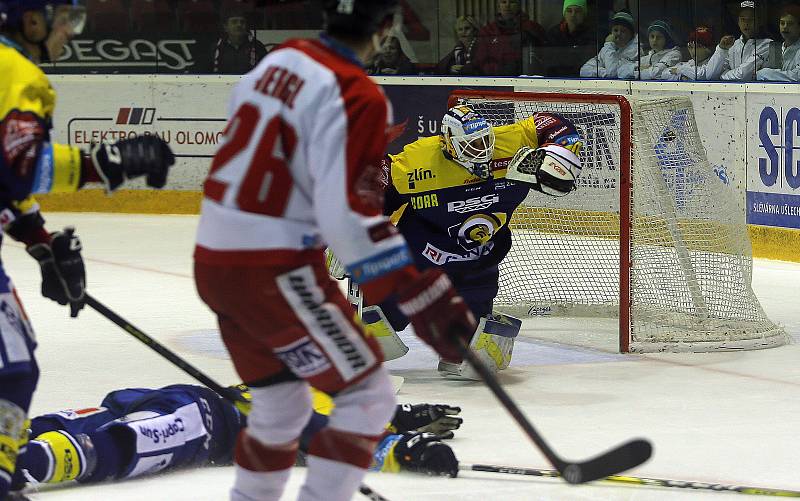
391, 60
573, 28
572, 41
662, 55
619, 57
500, 42
237, 51
61, 33
459, 61
708, 60
746, 54
783, 64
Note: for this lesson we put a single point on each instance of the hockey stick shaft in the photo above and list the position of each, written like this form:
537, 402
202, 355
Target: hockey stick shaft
186, 367
616, 460
157, 347
641, 481
502, 395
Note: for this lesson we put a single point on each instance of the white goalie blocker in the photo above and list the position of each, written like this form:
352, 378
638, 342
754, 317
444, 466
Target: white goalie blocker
551, 169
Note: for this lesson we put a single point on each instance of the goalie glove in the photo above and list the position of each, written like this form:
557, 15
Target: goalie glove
440, 419
131, 158
551, 169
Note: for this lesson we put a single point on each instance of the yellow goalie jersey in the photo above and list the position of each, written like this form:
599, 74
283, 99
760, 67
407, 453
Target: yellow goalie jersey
454, 219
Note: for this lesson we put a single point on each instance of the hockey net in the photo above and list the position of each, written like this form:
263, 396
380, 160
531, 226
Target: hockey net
652, 236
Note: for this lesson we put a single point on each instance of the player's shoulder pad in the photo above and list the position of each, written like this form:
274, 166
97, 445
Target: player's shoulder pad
422, 167
510, 138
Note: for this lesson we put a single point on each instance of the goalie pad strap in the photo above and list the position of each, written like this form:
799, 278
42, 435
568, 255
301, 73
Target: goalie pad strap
377, 326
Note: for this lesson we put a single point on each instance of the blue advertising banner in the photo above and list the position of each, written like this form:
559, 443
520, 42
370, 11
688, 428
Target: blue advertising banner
773, 170
418, 110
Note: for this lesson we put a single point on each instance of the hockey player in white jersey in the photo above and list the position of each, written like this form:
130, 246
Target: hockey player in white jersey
299, 169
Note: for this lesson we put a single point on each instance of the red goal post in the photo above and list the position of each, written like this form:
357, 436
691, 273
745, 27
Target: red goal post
650, 236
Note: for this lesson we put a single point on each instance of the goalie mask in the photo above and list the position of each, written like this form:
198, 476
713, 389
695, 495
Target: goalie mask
467, 139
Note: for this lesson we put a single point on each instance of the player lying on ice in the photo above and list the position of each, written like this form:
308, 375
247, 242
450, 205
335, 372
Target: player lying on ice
452, 197
139, 431
32, 163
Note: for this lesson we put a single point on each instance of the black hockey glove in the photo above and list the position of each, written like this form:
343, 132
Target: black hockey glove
63, 273
425, 453
433, 418
130, 158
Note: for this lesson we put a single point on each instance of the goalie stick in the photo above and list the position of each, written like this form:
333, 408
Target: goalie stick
638, 481
226, 393
616, 460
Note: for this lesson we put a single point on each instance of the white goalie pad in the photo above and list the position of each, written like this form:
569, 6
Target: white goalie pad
377, 326
354, 296
493, 343
335, 267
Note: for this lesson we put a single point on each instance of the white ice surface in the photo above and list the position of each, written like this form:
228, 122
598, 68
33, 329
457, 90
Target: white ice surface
727, 418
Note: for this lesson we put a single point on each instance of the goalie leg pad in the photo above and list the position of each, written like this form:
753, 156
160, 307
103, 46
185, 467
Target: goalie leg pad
493, 343
377, 326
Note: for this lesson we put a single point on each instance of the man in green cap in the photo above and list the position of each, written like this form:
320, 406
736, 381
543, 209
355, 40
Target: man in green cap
571, 41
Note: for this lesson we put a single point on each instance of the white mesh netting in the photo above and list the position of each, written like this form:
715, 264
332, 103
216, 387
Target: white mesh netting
690, 255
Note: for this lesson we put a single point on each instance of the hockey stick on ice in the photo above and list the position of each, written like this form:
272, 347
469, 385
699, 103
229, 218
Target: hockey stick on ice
641, 481
226, 393
616, 460
161, 349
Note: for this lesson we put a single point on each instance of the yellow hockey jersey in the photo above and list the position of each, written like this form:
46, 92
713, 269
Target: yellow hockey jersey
454, 219
30, 163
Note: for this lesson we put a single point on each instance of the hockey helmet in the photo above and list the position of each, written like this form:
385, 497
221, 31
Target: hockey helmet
244, 400
467, 139
11, 12
358, 18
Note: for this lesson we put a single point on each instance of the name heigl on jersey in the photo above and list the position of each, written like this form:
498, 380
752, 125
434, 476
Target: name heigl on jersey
281, 84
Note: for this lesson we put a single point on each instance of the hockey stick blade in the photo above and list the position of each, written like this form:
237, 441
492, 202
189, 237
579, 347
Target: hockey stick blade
617, 460
370, 494
639, 481
614, 461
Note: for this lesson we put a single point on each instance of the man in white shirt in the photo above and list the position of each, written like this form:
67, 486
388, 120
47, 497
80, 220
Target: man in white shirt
746, 54
619, 57
789, 50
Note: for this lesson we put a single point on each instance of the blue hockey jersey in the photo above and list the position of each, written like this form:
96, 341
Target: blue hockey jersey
152, 430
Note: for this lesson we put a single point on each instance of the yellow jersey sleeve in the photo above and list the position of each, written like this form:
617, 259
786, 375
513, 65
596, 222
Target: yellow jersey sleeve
510, 138
27, 102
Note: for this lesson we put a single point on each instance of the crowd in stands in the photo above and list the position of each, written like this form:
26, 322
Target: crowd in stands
165, 16
745, 41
